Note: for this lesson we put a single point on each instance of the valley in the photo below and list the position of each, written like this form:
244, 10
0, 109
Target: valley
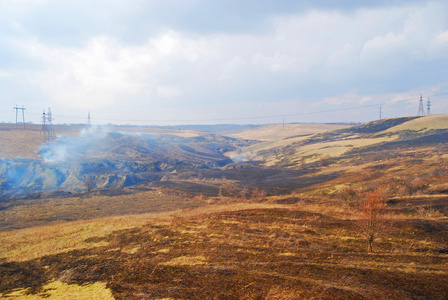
254, 212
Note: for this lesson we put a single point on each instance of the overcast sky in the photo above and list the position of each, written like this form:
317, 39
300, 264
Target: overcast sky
222, 61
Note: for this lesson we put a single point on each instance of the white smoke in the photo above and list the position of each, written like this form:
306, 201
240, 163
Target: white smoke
68, 148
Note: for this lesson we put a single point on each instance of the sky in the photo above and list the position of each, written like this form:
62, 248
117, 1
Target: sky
170, 62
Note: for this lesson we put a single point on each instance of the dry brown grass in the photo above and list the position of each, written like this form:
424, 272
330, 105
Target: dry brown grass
38, 241
308, 250
279, 132
298, 246
20, 143
34, 242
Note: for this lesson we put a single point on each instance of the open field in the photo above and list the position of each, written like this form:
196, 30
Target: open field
22, 143
290, 226
275, 132
271, 251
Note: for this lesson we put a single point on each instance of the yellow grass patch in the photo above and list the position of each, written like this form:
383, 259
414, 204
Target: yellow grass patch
337, 148
186, 261
423, 123
286, 254
278, 131
131, 250
35, 242
61, 290
313, 152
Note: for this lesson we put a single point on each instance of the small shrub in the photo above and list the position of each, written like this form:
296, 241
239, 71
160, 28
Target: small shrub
231, 190
347, 193
258, 194
429, 213
371, 217
385, 191
418, 186
200, 197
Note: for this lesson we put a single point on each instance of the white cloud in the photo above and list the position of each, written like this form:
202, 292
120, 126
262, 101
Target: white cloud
232, 68
380, 46
94, 77
105, 72
442, 37
276, 63
351, 97
307, 56
169, 91
342, 56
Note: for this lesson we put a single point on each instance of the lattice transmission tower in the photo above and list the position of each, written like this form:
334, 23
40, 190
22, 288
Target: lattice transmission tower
428, 107
47, 126
421, 110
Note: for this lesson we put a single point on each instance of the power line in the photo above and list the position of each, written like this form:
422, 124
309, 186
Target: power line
254, 117
274, 116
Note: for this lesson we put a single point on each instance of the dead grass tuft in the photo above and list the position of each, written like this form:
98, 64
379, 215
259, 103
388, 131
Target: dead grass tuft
186, 261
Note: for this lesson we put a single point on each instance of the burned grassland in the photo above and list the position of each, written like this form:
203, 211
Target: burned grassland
260, 253
357, 213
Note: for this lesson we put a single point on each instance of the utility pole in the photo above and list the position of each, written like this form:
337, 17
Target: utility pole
380, 113
89, 123
428, 109
421, 111
44, 126
23, 115
44, 122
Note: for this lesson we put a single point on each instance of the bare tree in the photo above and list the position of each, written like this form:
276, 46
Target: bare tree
371, 217
88, 183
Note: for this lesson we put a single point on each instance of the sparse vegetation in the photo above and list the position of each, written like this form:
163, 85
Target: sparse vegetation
371, 217
250, 250
247, 231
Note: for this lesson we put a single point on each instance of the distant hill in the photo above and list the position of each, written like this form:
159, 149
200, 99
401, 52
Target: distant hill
274, 132
293, 149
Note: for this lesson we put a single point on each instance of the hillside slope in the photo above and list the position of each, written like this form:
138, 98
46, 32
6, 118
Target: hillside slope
294, 151
102, 159
239, 230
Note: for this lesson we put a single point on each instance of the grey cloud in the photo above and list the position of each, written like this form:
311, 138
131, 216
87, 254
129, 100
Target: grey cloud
178, 57
70, 22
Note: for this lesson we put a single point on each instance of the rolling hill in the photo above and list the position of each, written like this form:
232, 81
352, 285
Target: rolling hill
283, 219
293, 150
